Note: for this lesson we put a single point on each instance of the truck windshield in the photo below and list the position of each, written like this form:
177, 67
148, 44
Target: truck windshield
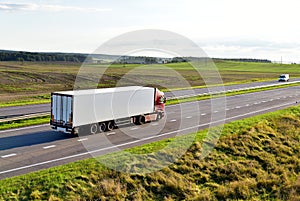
282, 76
162, 99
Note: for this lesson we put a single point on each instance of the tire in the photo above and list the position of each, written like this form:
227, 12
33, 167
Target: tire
159, 116
93, 129
102, 127
139, 120
110, 125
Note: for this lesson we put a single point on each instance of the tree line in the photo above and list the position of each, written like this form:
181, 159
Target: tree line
41, 57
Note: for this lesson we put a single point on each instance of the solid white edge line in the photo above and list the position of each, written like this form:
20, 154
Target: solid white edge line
136, 141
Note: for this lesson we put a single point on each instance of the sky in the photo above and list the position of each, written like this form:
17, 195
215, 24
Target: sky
262, 29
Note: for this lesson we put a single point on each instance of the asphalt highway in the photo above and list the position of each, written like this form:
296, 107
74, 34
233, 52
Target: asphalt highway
38, 147
6, 112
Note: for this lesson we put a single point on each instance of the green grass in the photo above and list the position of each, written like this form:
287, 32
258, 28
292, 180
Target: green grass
256, 158
37, 99
24, 122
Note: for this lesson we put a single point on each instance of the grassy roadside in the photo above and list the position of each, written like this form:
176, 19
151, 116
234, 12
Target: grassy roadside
37, 99
256, 158
24, 122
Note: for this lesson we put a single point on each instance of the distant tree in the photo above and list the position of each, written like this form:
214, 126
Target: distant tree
21, 60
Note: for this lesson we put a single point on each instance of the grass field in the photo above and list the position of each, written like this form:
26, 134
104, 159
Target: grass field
33, 82
256, 158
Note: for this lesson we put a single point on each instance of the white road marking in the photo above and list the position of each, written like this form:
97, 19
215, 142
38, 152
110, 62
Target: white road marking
49, 147
256, 103
216, 111
247, 105
189, 117
173, 120
154, 124
137, 141
237, 107
9, 155
83, 139
134, 128
23, 128
111, 133
271, 99
203, 114
227, 109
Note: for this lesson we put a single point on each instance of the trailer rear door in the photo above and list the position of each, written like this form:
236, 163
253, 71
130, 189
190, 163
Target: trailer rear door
61, 113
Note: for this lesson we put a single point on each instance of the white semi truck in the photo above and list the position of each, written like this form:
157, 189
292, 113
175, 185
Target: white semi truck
98, 110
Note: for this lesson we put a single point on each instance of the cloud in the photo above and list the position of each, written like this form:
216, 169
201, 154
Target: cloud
12, 7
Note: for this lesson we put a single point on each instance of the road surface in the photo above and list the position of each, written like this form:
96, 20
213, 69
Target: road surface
33, 148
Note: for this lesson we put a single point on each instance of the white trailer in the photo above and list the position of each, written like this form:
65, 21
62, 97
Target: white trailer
98, 110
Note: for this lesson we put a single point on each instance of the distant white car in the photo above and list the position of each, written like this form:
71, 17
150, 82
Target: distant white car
284, 78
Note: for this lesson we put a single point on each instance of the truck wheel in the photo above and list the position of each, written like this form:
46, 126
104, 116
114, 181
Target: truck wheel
110, 125
159, 116
140, 120
94, 129
102, 127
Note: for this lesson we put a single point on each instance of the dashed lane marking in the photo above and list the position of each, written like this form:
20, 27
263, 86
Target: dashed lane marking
83, 139
49, 147
9, 155
111, 133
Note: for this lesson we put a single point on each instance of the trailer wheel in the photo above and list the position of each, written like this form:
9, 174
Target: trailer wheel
110, 125
94, 129
102, 127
